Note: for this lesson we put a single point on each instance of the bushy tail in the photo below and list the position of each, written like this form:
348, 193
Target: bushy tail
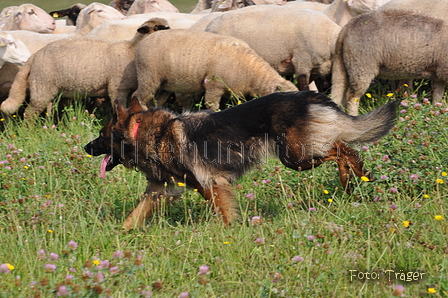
371, 126
17, 93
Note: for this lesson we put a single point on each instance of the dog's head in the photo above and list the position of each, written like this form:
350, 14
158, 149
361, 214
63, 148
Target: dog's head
116, 138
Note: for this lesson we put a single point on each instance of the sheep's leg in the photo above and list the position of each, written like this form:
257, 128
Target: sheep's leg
162, 97
303, 82
213, 93
40, 100
220, 194
147, 88
150, 202
438, 91
355, 91
185, 101
339, 82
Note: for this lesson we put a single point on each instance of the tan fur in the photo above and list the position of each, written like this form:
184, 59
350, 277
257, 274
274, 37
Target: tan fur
106, 69
210, 151
303, 48
401, 45
187, 61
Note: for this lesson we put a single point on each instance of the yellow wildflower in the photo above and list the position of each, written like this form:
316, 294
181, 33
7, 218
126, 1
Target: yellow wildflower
390, 94
226, 242
330, 200
405, 85
364, 178
444, 174
406, 223
431, 290
180, 184
10, 267
426, 196
438, 217
26, 167
440, 181
326, 192
50, 231
96, 262
369, 95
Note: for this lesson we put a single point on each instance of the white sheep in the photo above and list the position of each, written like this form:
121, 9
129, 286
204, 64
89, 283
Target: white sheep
91, 16
436, 8
340, 11
95, 14
6, 13
226, 5
117, 30
32, 18
12, 50
80, 67
146, 6
298, 42
189, 61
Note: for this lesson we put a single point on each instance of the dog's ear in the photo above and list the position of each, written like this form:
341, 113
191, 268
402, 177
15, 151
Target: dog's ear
135, 106
121, 112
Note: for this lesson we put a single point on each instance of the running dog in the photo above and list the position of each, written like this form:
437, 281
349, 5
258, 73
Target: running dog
210, 151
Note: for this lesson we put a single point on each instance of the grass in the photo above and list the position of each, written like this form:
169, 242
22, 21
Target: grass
300, 235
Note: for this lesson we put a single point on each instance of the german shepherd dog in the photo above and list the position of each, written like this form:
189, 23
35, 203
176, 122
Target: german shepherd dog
210, 151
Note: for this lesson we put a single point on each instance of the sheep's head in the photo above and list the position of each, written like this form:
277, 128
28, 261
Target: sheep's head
154, 24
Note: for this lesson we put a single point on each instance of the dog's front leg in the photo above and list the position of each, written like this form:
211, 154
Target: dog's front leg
220, 194
150, 202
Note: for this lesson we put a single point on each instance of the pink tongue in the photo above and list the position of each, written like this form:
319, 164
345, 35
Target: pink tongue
103, 166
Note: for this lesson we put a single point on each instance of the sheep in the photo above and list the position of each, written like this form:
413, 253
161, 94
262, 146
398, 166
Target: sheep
390, 44
117, 30
190, 61
93, 15
145, 6
437, 8
122, 5
6, 13
12, 50
217, 5
341, 11
86, 67
204, 21
297, 42
32, 18
307, 5
71, 13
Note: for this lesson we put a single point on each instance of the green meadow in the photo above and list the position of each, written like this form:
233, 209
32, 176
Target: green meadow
300, 234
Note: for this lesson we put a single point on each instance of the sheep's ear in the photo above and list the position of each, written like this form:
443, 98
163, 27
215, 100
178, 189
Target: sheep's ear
18, 17
143, 30
135, 106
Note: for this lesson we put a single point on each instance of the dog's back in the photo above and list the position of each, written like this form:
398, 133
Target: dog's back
296, 126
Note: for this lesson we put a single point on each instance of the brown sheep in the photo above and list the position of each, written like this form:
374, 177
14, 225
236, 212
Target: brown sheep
391, 44
188, 61
105, 69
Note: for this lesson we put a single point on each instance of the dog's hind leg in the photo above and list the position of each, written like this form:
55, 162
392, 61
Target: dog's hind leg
150, 202
222, 197
347, 158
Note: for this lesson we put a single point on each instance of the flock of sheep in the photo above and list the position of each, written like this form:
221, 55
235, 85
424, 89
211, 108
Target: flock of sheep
148, 49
